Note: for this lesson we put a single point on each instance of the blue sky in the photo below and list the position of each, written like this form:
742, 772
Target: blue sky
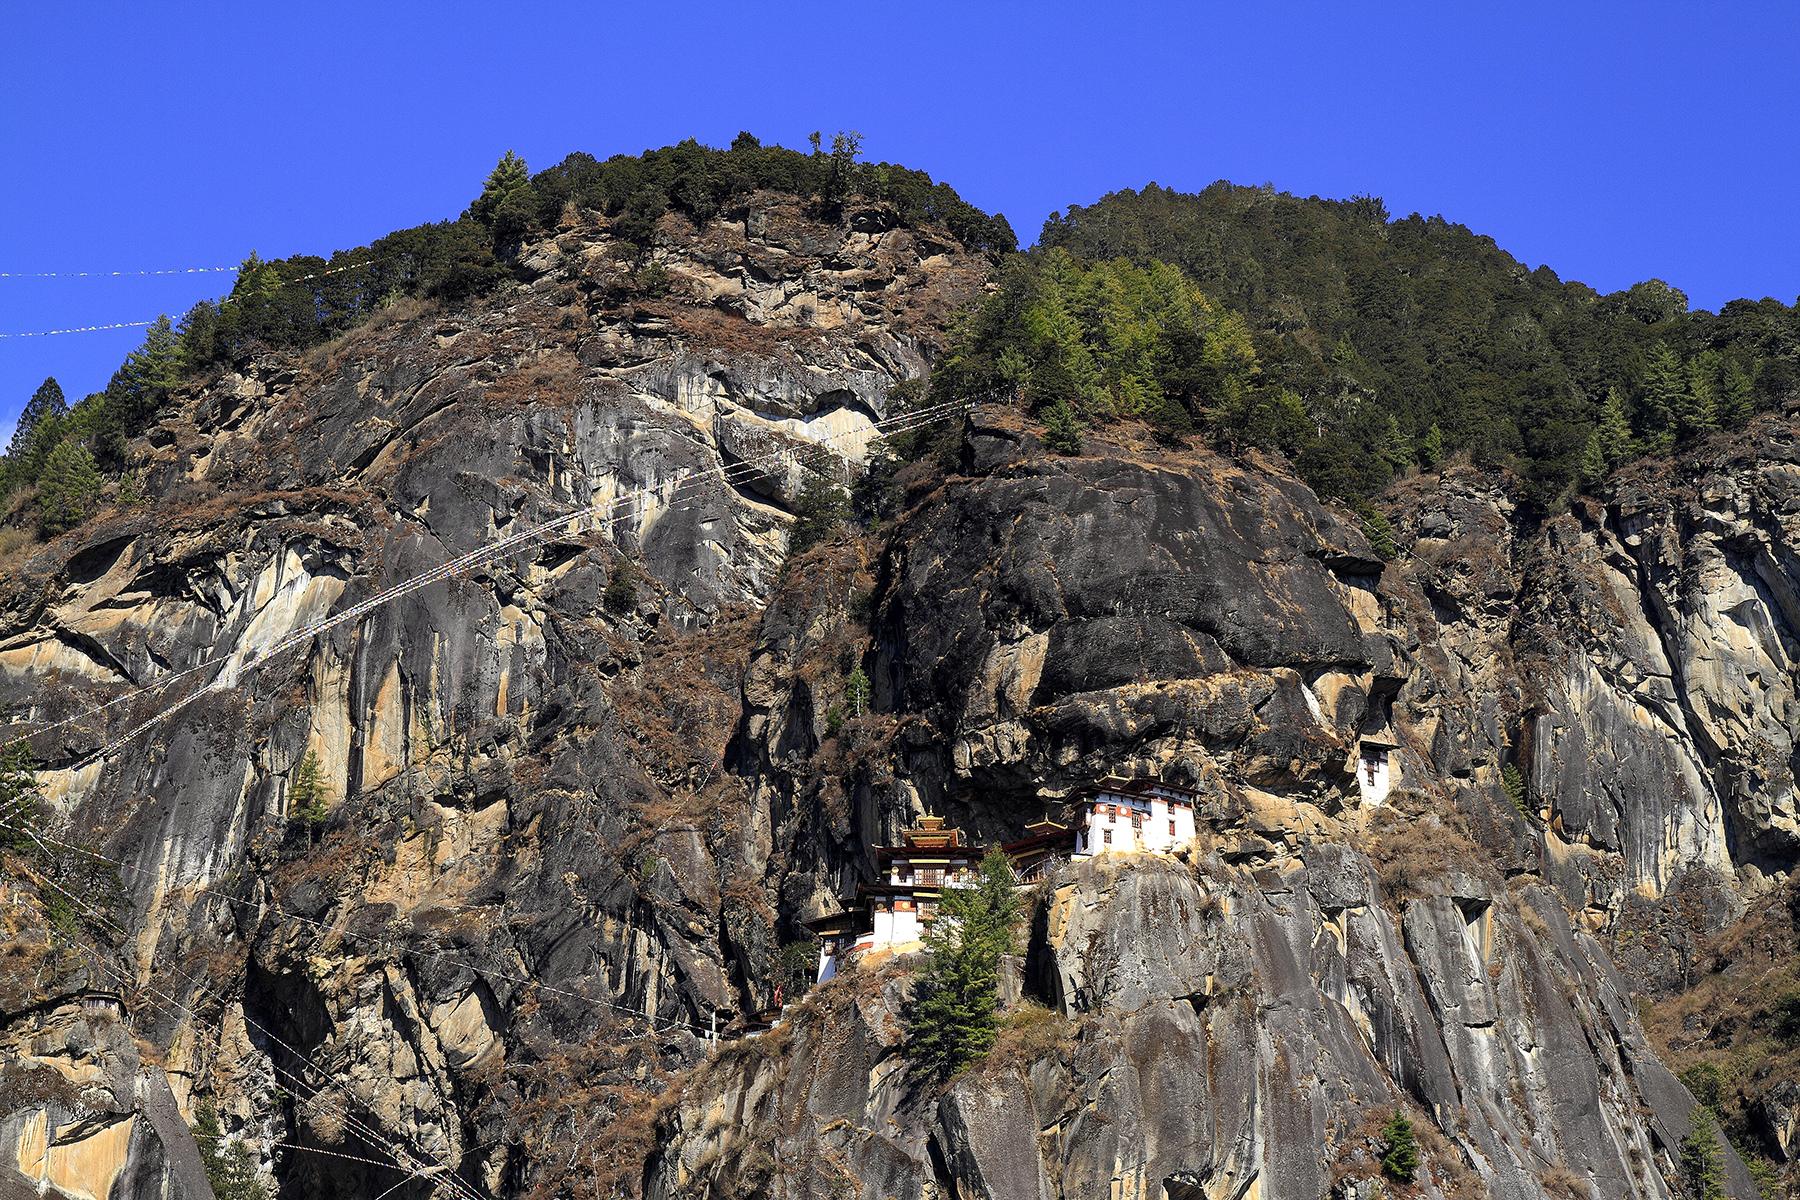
1613, 141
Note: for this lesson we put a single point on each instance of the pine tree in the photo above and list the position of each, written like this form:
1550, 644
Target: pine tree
18, 800
955, 1013
1431, 447
1400, 1148
1380, 532
229, 1166
1612, 434
1394, 448
1062, 429
1702, 412
142, 385
68, 489
1702, 1158
1736, 404
856, 691
820, 509
507, 179
507, 205
43, 412
306, 796
1593, 459
1665, 399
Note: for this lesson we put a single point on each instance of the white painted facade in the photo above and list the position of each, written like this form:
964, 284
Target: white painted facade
901, 908
1374, 771
1151, 820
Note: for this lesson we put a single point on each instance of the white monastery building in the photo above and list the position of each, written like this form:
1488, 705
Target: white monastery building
1114, 816
1133, 816
897, 912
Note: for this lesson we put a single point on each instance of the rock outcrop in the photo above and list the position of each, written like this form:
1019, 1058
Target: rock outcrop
84, 1117
1217, 1031
578, 799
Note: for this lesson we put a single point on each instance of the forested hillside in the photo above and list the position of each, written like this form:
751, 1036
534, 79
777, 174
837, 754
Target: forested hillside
1362, 318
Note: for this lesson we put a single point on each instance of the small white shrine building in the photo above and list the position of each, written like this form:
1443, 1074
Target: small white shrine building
1374, 769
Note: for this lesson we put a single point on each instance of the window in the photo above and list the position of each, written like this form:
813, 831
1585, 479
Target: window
1108, 835
1172, 821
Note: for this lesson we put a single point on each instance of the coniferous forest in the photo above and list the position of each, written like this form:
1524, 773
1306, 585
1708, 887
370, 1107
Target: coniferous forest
1360, 346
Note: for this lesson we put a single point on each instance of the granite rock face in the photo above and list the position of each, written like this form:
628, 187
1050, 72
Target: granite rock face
579, 799
1218, 1032
85, 1117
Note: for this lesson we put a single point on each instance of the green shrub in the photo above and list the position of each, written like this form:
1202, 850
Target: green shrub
796, 967
1399, 1148
621, 592
1786, 1017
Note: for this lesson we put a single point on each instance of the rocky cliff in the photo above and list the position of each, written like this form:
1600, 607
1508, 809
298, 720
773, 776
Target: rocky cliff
578, 798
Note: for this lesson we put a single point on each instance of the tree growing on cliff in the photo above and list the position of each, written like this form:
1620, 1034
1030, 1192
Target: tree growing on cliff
69, 488
36, 431
1062, 429
1702, 1158
856, 690
1736, 402
955, 1015
18, 800
821, 507
306, 796
1399, 1148
621, 591
228, 1163
507, 205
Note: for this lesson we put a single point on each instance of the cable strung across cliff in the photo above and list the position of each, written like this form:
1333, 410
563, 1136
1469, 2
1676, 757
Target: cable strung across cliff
423, 1166
31, 333
656, 1023
491, 551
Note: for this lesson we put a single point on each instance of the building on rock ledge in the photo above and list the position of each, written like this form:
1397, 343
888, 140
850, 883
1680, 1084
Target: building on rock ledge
1375, 769
897, 912
1133, 816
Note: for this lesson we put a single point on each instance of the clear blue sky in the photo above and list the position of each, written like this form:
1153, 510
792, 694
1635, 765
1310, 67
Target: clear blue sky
1614, 141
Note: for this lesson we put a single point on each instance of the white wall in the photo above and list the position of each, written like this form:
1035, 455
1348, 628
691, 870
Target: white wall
895, 928
1374, 774
1151, 832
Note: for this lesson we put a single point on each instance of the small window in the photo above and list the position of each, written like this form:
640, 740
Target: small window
1108, 835
1171, 827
